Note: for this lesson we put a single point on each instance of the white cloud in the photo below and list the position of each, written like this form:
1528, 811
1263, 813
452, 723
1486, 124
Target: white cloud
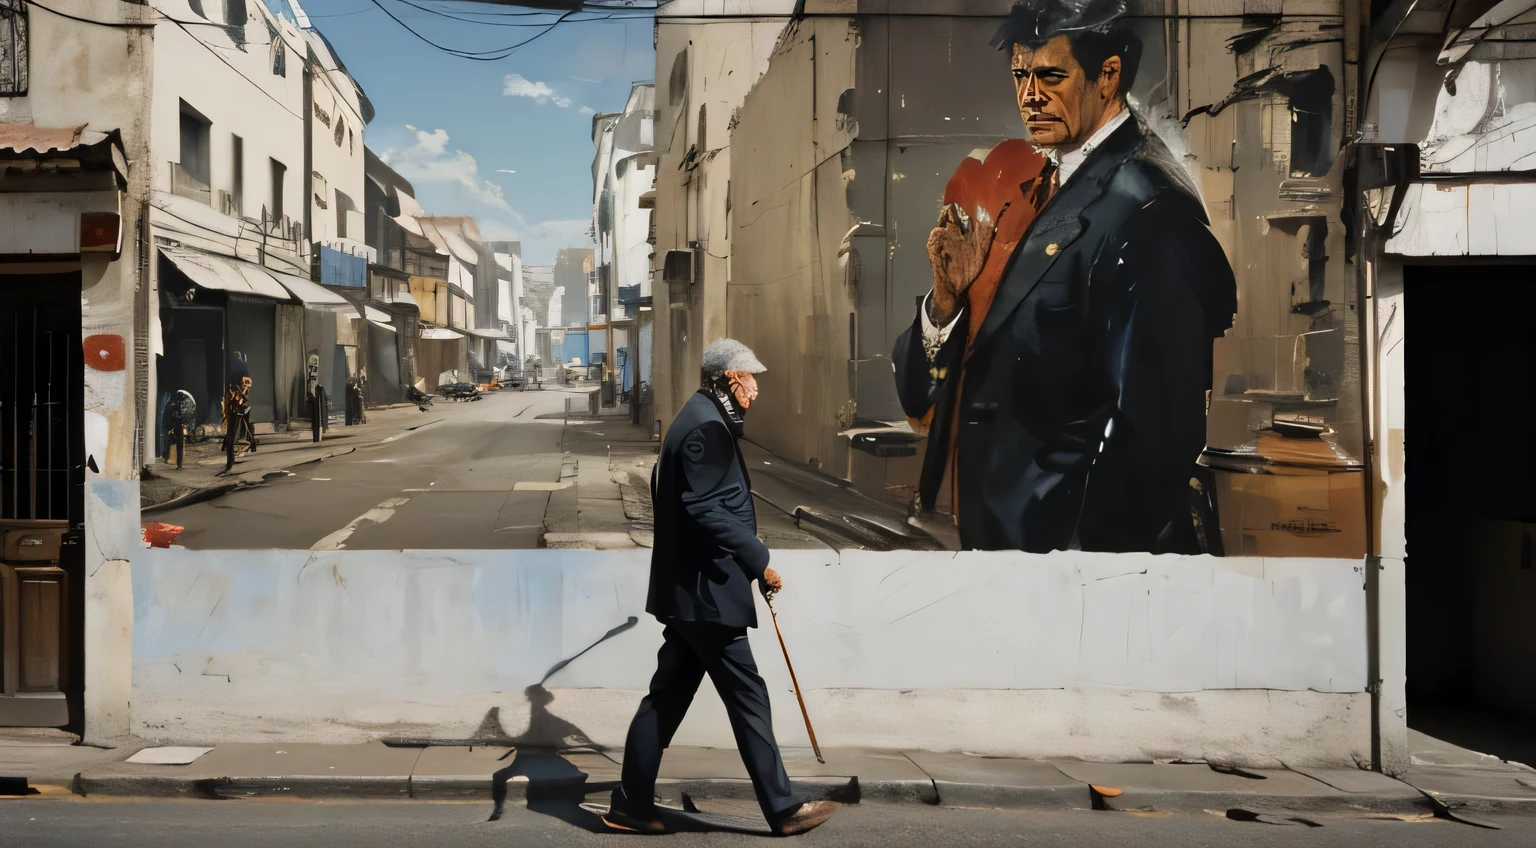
430, 160
505, 171
516, 85
588, 110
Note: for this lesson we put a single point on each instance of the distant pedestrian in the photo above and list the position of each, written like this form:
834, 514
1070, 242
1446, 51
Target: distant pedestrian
237, 419
705, 559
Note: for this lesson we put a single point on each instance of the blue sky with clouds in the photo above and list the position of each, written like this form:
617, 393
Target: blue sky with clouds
459, 129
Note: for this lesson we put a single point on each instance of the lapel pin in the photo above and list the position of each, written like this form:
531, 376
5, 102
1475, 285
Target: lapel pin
1052, 249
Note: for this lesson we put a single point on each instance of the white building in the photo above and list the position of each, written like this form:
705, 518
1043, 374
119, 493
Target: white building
624, 176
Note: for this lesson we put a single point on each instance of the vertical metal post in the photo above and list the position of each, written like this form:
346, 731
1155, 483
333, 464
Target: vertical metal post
52, 447
32, 429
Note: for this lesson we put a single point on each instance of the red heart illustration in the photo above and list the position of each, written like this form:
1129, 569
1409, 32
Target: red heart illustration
982, 188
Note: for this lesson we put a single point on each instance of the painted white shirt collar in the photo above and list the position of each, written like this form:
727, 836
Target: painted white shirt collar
1070, 162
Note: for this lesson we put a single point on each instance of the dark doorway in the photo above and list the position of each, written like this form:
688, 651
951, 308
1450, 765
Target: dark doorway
42, 501
1471, 506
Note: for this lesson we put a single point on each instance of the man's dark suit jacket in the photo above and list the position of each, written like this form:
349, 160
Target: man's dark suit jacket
706, 552
1082, 411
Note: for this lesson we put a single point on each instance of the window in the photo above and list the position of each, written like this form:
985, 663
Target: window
279, 55
194, 143
189, 177
235, 19
341, 130
237, 184
344, 207
13, 48
278, 172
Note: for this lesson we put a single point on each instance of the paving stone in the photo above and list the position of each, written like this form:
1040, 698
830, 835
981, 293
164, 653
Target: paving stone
372, 759
1177, 787
964, 780
1358, 781
1500, 788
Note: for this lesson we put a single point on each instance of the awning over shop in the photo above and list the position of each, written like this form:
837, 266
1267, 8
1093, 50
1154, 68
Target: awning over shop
378, 318
440, 334
314, 295
492, 335
227, 275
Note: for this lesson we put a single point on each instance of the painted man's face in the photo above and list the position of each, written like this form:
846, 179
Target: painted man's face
743, 387
245, 383
1060, 106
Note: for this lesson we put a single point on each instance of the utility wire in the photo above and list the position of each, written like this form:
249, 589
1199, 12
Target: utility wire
137, 25
432, 11
481, 55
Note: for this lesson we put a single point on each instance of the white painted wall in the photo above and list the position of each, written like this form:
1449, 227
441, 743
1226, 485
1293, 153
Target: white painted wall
1099, 656
237, 91
341, 165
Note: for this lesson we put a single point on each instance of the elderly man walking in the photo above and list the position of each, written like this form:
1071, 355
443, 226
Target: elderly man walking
705, 559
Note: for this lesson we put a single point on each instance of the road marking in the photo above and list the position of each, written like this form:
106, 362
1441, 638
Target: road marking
378, 515
321, 479
529, 486
379, 460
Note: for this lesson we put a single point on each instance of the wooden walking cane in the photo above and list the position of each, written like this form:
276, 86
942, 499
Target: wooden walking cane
796, 683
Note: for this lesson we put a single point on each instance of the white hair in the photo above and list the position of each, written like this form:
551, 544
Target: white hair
724, 355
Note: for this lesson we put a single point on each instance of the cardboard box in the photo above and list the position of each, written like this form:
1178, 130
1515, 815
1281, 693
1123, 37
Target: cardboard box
1292, 511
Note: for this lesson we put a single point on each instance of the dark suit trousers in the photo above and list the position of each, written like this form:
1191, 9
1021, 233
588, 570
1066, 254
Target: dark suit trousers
690, 650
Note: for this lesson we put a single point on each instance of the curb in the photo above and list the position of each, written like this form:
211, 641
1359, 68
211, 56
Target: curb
219, 490
1194, 801
849, 790
195, 496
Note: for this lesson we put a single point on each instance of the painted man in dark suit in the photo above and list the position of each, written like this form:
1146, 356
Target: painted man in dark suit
1073, 413
705, 559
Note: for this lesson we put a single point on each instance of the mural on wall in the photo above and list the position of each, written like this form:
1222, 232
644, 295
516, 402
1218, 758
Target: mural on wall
1130, 328
1068, 333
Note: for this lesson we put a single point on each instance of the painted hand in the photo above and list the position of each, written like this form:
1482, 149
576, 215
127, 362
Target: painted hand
957, 250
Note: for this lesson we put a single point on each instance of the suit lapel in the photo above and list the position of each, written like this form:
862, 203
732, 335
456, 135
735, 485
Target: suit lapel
1058, 225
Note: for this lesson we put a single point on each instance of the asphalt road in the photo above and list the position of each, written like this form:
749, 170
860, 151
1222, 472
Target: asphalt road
73, 822
449, 483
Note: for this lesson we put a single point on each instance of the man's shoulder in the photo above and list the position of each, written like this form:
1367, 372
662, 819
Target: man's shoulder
698, 419
1151, 177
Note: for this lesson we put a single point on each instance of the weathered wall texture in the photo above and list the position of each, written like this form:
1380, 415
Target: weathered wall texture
787, 297
1082, 655
704, 70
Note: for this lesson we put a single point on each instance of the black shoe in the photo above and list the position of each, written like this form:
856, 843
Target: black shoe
805, 817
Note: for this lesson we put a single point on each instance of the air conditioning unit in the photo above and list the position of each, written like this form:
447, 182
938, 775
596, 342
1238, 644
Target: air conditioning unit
677, 268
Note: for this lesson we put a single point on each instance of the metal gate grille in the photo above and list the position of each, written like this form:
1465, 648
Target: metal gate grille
41, 469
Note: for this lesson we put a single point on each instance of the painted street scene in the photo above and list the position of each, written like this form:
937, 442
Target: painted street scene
866, 422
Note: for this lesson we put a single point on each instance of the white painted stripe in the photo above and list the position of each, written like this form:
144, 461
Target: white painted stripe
530, 486
378, 515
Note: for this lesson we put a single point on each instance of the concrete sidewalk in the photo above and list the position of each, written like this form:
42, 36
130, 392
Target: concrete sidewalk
380, 771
